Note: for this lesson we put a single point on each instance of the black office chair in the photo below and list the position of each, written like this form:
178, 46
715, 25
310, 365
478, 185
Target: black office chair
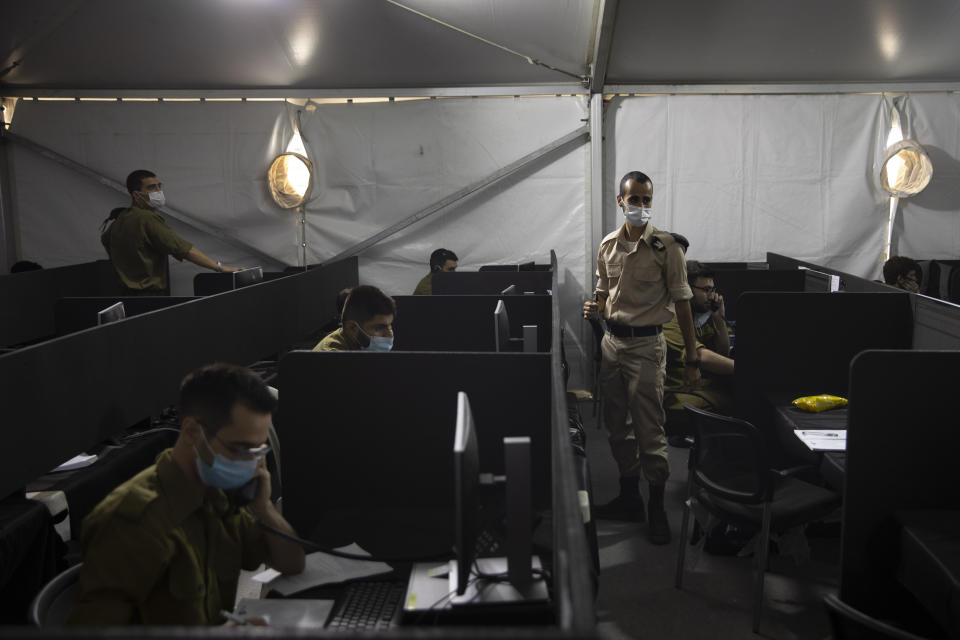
52, 605
731, 477
848, 623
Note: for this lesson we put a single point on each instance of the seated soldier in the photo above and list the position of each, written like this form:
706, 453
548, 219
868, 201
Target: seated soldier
166, 547
903, 273
366, 323
440, 260
715, 389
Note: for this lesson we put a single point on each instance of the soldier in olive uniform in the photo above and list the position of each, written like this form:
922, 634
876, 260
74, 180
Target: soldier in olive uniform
367, 322
715, 390
641, 283
440, 260
139, 240
166, 547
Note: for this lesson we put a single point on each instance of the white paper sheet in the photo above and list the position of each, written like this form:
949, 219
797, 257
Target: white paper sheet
823, 440
323, 568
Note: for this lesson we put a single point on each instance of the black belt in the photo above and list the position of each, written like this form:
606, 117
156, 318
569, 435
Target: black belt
626, 331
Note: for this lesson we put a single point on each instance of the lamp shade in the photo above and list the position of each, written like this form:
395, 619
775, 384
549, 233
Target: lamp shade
906, 169
290, 178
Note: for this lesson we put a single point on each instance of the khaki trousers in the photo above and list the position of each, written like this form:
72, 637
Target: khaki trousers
631, 381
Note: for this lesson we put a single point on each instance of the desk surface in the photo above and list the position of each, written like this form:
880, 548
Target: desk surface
787, 419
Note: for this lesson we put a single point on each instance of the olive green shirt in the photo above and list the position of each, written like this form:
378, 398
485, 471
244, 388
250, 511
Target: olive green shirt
425, 286
715, 389
156, 552
336, 341
138, 243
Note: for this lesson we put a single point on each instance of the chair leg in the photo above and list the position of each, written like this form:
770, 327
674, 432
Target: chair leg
682, 552
761, 567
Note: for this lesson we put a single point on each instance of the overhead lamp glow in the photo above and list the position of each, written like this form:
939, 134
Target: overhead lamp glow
906, 169
290, 178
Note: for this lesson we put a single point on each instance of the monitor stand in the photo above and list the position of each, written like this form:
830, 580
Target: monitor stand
433, 587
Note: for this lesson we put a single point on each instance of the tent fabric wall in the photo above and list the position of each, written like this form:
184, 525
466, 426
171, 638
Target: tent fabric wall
375, 165
928, 224
741, 175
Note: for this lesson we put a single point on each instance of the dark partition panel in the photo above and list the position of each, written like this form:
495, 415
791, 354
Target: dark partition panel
209, 283
797, 344
936, 324
848, 282
902, 448
375, 430
490, 282
27, 299
465, 323
733, 283
64, 395
74, 314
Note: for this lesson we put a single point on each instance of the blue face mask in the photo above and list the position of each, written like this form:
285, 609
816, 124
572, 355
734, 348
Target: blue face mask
377, 343
225, 473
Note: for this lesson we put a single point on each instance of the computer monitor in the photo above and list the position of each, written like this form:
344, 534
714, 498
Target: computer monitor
466, 482
817, 281
501, 327
112, 313
246, 277
501, 332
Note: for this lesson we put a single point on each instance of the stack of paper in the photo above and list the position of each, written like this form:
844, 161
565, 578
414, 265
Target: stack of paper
823, 440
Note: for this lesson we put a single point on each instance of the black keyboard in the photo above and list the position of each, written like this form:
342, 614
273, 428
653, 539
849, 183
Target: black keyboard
368, 605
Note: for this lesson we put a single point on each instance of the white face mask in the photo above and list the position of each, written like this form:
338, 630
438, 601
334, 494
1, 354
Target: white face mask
157, 199
637, 216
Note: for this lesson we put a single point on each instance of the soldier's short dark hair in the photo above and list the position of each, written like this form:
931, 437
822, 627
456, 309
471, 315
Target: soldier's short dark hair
135, 179
900, 266
439, 257
636, 176
365, 302
698, 270
209, 394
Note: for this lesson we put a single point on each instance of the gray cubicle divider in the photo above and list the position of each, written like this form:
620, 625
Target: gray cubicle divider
65, 395
902, 445
27, 299
376, 430
733, 283
490, 282
210, 283
76, 314
466, 323
936, 323
849, 282
802, 343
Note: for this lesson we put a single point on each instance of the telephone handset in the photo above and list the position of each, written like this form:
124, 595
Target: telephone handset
244, 495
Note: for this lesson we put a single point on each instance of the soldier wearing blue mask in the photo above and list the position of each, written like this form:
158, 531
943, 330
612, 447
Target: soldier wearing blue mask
166, 547
366, 323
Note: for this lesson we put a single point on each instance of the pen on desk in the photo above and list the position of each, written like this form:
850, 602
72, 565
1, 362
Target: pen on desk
232, 617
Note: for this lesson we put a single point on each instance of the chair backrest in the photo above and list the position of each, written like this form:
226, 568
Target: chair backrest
848, 623
728, 458
52, 605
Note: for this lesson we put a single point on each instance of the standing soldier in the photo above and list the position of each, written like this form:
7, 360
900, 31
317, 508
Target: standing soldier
641, 283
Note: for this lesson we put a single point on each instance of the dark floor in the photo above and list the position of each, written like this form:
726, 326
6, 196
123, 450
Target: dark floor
637, 597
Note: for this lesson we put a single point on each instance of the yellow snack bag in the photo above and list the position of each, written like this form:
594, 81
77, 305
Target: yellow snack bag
816, 404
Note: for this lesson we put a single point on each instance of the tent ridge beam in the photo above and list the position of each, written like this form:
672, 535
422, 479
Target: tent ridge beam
570, 139
176, 214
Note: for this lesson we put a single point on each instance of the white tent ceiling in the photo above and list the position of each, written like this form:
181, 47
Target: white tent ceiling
302, 45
